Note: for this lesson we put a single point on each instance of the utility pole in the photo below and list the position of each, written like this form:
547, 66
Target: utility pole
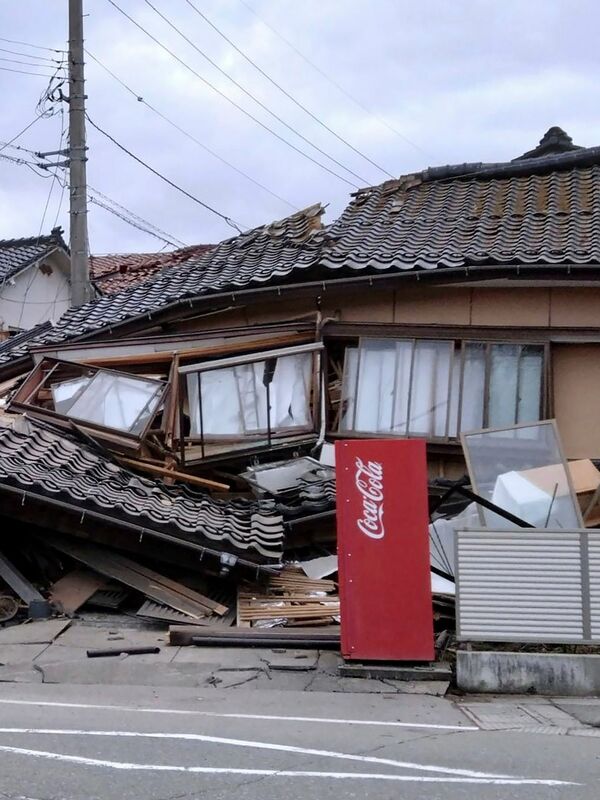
80, 269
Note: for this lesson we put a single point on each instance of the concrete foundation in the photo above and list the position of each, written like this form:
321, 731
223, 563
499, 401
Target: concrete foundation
528, 673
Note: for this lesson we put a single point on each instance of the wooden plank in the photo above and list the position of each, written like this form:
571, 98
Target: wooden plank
208, 351
147, 582
144, 466
181, 635
185, 591
71, 591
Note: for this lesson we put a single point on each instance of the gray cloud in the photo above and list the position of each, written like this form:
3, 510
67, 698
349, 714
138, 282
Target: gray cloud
467, 80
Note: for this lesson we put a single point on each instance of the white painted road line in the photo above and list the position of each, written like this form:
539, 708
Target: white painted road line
356, 776
286, 748
269, 717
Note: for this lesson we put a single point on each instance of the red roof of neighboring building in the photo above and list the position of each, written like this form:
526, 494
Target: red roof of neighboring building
115, 272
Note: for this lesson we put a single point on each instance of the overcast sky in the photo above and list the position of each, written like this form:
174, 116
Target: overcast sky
466, 80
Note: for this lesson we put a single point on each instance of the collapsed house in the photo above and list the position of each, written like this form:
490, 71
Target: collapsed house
196, 410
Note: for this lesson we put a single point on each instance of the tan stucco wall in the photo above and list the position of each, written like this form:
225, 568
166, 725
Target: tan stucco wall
576, 380
426, 305
511, 306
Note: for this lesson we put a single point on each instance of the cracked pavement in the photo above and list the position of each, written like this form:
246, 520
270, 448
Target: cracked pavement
167, 743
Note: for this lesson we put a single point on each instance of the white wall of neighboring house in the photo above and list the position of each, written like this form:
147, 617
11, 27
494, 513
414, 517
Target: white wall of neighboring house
38, 293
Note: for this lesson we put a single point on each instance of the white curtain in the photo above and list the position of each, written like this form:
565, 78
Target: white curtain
406, 389
380, 402
430, 391
473, 380
234, 400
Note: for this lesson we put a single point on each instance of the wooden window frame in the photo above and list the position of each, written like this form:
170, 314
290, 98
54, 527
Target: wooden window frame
457, 360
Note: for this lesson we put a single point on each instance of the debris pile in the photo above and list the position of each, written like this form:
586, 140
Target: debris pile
185, 482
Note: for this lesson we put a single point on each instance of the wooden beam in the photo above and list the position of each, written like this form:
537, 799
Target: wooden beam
205, 483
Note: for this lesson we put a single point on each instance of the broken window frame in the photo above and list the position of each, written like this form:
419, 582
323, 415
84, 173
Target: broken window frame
41, 378
562, 461
454, 404
260, 438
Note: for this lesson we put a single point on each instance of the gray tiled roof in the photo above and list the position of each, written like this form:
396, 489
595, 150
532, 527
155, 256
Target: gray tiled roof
415, 223
257, 256
16, 254
535, 210
46, 462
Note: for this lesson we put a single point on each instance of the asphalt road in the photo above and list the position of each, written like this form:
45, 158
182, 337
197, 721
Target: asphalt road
118, 742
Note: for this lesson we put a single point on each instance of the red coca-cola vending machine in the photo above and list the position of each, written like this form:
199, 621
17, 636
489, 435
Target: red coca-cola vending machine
383, 550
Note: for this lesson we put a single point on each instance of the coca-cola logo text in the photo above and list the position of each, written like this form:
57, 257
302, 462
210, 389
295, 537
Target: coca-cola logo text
369, 482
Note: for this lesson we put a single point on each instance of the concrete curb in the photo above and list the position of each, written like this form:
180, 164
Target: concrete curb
528, 673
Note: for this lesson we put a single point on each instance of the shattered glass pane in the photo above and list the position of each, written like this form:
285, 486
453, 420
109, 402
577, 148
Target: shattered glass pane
522, 470
64, 394
117, 401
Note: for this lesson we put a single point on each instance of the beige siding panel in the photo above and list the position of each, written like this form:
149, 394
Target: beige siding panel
576, 379
430, 305
514, 306
280, 309
369, 305
575, 307
208, 322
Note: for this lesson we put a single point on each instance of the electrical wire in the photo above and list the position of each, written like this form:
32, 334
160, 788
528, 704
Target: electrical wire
63, 185
23, 162
129, 221
25, 72
253, 97
232, 102
177, 127
20, 133
28, 44
148, 226
284, 91
231, 222
334, 83
30, 55
24, 63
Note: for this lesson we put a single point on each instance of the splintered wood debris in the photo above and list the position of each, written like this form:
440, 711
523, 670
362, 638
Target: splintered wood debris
288, 597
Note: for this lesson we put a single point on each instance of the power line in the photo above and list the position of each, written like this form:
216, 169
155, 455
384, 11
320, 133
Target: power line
232, 223
28, 44
177, 127
22, 161
29, 55
285, 92
232, 102
63, 184
25, 63
25, 72
20, 133
333, 82
129, 221
134, 219
253, 97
